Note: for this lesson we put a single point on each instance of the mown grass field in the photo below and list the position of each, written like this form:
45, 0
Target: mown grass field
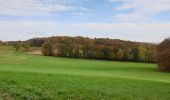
29, 77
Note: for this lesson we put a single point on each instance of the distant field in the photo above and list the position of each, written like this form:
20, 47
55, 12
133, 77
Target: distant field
26, 76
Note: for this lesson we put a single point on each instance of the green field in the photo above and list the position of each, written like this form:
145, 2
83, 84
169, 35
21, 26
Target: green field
26, 77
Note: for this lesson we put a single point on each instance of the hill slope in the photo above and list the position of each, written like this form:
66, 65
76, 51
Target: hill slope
26, 76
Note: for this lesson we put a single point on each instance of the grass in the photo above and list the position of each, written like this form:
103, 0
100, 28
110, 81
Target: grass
26, 76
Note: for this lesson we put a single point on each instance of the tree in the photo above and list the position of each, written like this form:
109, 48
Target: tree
108, 53
64, 50
98, 52
18, 46
120, 54
163, 55
135, 53
151, 54
47, 49
142, 53
76, 51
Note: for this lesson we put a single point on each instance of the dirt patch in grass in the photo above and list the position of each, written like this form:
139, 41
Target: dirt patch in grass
5, 96
37, 52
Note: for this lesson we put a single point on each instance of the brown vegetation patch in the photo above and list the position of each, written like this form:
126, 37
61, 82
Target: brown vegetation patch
37, 52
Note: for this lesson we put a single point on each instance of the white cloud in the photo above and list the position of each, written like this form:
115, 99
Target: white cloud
34, 7
127, 29
141, 9
150, 32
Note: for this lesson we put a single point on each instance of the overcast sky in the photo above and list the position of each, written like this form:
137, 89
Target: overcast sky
135, 20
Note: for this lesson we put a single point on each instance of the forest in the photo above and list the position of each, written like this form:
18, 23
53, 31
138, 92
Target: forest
97, 48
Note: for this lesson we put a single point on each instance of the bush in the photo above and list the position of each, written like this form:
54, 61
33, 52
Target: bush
163, 55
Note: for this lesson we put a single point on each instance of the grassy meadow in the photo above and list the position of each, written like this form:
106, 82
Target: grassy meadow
25, 76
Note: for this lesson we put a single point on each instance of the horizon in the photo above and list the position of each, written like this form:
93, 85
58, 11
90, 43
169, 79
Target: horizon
140, 21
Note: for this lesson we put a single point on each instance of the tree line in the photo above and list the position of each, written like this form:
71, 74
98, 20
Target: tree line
98, 48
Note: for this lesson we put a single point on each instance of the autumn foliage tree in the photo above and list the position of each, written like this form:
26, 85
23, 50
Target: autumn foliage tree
163, 55
47, 49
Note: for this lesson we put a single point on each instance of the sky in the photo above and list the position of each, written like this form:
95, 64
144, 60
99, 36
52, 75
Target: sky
134, 20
